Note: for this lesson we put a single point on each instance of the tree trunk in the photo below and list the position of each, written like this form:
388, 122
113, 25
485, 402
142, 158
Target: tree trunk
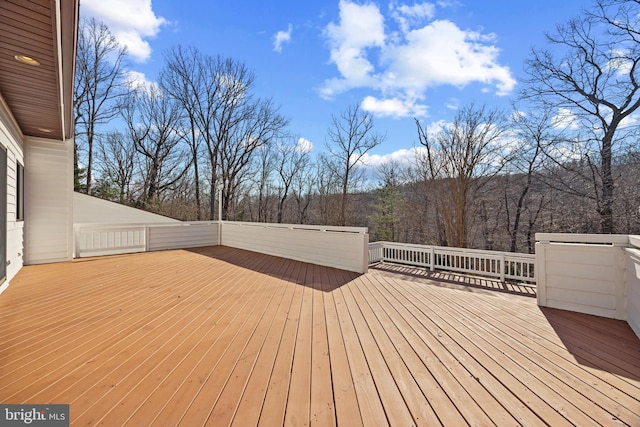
606, 212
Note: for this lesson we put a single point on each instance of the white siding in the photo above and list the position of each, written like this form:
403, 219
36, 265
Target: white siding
11, 139
183, 235
588, 278
633, 285
92, 210
344, 248
48, 200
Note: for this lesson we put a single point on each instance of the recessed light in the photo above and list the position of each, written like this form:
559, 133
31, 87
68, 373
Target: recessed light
26, 60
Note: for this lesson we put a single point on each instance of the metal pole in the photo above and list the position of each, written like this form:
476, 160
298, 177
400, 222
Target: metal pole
220, 215
220, 203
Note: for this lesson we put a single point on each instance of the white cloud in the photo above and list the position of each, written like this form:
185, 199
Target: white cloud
137, 80
131, 21
565, 119
403, 66
620, 62
394, 107
361, 27
443, 54
282, 37
453, 104
403, 157
408, 16
304, 145
631, 120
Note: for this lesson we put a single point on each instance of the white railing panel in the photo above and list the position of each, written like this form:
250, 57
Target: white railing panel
375, 252
583, 273
108, 239
500, 265
182, 235
339, 247
633, 284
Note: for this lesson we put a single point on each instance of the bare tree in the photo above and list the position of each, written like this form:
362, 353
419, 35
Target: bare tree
246, 125
154, 123
302, 188
326, 176
597, 79
532, 133
292, 158
99, 86
117, 158
265, 168
350, 137
188, 77
459, 159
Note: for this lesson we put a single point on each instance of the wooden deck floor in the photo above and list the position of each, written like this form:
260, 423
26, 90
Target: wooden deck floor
221, 336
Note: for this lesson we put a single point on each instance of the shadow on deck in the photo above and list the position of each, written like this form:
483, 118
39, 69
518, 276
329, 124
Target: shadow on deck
223, 336
457, 281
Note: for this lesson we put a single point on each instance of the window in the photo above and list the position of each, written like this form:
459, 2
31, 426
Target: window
19, 192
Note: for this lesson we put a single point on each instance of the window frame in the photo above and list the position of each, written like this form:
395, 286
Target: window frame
19, 192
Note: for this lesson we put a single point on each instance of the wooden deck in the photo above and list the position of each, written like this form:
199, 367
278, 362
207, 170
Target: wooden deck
221, 336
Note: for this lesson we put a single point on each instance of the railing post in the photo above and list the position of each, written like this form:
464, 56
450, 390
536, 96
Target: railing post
502, 266
432, 258
76, 241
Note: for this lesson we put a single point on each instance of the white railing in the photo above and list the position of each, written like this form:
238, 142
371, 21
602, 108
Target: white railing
501, 265
583, 273
633, 284
110, 239
339, 247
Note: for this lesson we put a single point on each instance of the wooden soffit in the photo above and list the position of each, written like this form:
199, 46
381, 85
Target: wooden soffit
40, 97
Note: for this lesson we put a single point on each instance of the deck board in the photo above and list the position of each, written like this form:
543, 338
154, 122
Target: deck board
221, 336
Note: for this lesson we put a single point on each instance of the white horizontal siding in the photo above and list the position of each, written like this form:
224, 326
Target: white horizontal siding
333, 248
185, 235
48, 200
588, 278
589, 302
11, 140
633, 286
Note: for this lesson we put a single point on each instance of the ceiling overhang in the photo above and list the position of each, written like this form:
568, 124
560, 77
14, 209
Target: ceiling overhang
40, 97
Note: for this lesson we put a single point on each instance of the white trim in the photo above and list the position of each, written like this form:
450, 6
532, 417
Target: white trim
58, 33
606, 239
6, 117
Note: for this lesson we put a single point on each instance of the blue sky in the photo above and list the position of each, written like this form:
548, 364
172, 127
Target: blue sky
315, 58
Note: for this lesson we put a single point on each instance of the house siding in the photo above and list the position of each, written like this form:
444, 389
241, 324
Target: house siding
11, 140
48, 200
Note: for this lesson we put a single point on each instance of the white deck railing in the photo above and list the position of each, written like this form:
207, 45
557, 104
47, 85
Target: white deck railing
500, 265
109, 239
589, 273
339, 247
633, 284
